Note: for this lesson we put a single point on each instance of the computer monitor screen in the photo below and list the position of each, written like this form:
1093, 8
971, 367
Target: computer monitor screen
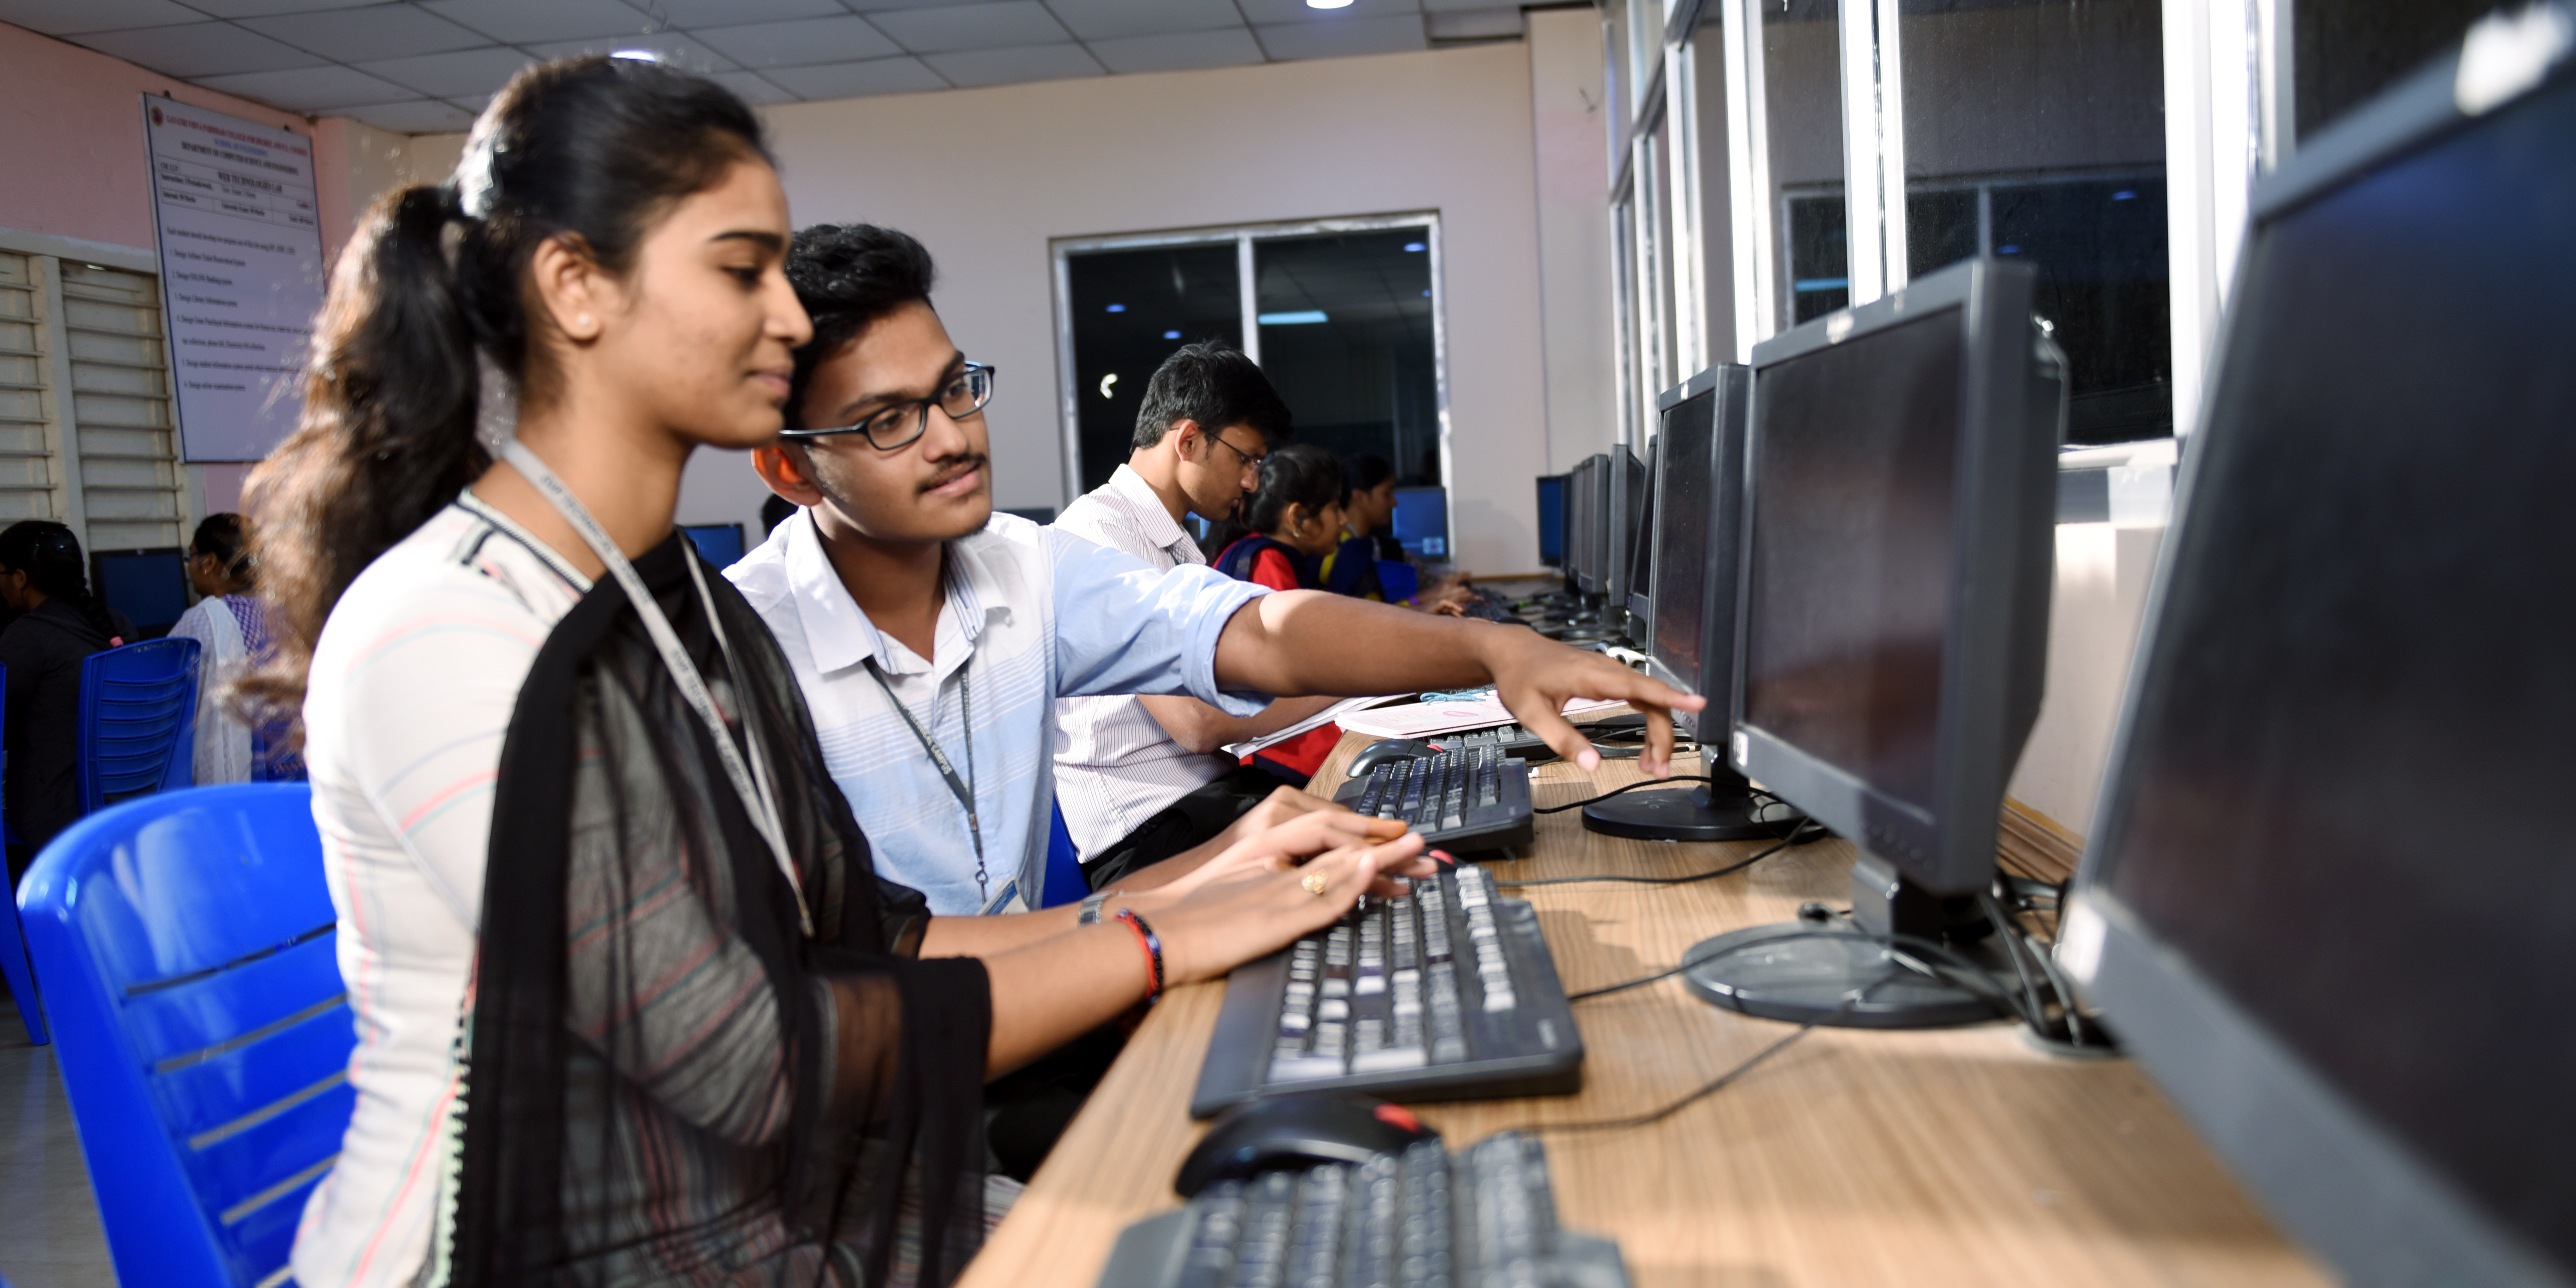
149, 586
1551, 520
1698, 491
2329, 896
1587, 519
1640, 545
721, 543
1422, 521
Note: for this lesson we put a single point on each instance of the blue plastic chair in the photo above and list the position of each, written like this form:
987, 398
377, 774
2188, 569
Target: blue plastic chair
186, 944
13, 945
138, 721
1064, 880
1398, 579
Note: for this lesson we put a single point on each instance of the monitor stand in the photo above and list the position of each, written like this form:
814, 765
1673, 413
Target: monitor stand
1721, 811
1805, 971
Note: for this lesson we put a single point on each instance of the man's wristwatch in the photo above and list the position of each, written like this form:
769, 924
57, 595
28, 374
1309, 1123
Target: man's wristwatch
1091, 907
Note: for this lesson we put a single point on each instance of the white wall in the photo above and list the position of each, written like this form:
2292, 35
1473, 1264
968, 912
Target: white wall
1572, 152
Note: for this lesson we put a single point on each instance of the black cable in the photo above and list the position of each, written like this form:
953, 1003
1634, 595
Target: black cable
1722, 1081
1643, 782
2038, 1014
1993, 994
1785, 842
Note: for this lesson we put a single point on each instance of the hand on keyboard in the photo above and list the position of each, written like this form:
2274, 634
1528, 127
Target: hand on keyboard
1230, 920
1288, 844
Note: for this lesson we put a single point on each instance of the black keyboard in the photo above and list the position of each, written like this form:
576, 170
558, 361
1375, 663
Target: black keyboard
1514, 740
1471, 799
1447, 993
1424, 1218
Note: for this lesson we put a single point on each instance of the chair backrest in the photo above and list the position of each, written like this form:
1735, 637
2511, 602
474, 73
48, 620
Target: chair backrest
186, 943
1064, 880
1398, 579
138, 720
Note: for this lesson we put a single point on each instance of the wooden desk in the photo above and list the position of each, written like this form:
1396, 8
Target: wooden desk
1949, 1156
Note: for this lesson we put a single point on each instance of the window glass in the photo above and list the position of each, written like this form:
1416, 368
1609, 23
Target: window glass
2034, 130
1655, 240
1617, 84
1803, 115
1623, 259
1131, 308
1346, 336
1716, 211
2348, 51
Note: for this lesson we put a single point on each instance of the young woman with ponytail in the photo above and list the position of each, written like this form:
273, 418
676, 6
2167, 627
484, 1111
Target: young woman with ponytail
231, 630
57, 623
633, 1006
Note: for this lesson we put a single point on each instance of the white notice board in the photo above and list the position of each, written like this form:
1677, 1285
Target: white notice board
241, 274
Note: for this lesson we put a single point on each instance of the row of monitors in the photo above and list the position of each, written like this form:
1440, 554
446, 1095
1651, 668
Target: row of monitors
2349, 716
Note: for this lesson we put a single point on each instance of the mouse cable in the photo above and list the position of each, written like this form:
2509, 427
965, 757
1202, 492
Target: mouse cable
1798, 835
1642, 782
1721, 1081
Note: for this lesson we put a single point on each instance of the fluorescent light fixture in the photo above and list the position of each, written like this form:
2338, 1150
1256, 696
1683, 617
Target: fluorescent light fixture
1328, 4
1109, 385
1117, 308
1426, 295
1415, 246
1302, 317
639, 55
2124, 195
1171, 335
2007, 250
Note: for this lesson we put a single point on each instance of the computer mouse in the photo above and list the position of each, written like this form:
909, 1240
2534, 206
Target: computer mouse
1271, 1132
1380, 752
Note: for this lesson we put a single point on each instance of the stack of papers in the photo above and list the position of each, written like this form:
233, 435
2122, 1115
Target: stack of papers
1424, 719
1337, 711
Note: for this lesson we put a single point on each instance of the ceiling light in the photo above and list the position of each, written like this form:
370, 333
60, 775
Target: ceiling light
1302, 317
1171, 335
2007, 250
1328, 4
1108, 385
1415, 247
639, 55
1117, 308
2124, 195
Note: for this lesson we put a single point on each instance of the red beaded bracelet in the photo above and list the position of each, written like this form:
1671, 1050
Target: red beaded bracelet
1153, 946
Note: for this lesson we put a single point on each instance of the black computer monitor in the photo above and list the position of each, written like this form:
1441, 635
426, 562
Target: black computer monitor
1892, 620
1551, 520
1587, 516
149, 586
1623, 484
1640, 549
1422, 521
1699, 494
721, 543
2329, 895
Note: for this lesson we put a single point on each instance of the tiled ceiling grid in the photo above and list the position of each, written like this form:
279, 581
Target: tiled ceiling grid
425, 66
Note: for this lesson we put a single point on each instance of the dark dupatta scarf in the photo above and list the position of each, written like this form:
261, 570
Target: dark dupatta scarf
610, 793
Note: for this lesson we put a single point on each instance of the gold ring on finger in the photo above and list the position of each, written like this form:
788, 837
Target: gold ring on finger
1315, 884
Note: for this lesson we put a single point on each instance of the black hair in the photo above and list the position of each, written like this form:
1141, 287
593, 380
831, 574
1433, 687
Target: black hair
51, 557
593, 151
848, 276
1368, 469
227, 538
1298, 474
1216, 386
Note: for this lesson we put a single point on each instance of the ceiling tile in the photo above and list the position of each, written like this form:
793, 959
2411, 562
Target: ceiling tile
357, 35
199, 49
752, 88
1344, 39
1011, 24
415, 117
690, 15
1178, 51
847, 38
857, 80
521, 21
675, 49
466, 71
1012, 66
1263, 12
309, 89
71, 17
1110, 19
1472, 24
260, 8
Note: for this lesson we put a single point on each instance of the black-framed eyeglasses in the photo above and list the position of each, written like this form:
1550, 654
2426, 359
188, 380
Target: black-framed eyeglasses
1248, 458
964, 395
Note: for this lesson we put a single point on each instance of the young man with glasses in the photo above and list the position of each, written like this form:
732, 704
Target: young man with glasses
1136, 777
933, 636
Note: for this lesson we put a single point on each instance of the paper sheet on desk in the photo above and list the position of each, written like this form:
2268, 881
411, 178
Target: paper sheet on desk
1239, 750
1424, 719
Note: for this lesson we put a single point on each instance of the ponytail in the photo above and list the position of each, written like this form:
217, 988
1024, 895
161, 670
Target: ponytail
592, 150
51, 557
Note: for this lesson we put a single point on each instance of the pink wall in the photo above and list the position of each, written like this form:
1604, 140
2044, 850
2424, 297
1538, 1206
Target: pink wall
71, 142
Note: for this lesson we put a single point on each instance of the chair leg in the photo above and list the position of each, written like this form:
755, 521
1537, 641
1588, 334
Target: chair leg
22, 979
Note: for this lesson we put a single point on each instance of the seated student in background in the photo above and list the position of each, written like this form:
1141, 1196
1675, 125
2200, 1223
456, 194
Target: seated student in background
1368, 535
904, 602
1135, 776
580, 839
58, 623
1289, 525
231, 630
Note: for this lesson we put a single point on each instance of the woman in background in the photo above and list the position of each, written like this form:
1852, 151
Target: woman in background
1290, 524
58, 623
232, 631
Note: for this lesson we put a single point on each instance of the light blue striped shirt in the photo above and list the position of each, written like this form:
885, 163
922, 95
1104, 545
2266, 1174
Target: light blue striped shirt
1031, 615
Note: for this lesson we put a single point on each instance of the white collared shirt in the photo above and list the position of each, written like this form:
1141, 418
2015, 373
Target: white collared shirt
1116, 766
1029, 614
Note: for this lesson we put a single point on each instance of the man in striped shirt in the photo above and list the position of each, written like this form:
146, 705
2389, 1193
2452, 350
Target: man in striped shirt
1135, 776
